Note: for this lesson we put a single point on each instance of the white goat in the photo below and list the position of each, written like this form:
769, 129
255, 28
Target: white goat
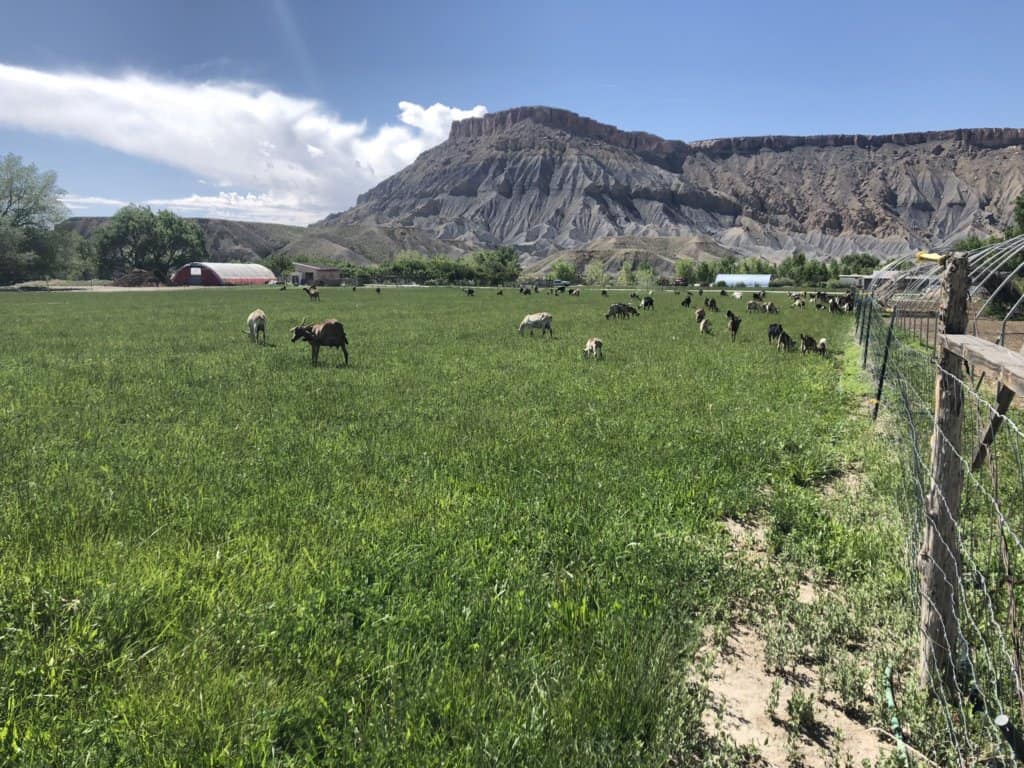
594, 348
257, 324
540, 320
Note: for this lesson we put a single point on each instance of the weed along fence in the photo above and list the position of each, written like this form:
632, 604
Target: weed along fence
950, 392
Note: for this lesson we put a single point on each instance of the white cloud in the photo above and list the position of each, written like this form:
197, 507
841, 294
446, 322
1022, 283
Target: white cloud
290, 157
76, 202
286, 209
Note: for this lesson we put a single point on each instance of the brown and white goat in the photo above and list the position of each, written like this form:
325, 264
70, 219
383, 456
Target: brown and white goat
313, 293
594, 348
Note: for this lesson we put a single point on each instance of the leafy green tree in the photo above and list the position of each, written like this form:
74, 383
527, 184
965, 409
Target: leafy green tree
136, 238
685, 270
1018, 218
625, 277
30, 208
178, 241
858, 264
645, 277
728, 264
594, 274
563, 270
278, 263
497, 267
706, 271
754, 265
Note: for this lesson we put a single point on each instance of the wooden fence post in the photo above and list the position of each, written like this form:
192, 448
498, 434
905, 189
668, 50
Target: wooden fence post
939, 559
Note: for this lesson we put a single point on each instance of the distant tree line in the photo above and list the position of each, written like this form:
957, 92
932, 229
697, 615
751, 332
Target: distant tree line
796, 269
34, 247
491, 267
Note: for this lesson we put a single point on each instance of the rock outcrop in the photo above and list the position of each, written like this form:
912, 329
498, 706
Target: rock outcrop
547, 180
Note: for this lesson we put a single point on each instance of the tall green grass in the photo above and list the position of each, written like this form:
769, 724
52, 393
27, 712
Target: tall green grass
465, 548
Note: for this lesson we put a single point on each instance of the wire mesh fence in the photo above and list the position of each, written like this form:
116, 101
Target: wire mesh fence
900, 344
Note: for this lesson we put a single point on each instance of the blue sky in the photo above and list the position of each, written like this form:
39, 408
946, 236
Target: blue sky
282, 110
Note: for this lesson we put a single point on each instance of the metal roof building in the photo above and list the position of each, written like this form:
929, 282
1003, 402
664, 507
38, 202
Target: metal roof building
212, 273
750, 281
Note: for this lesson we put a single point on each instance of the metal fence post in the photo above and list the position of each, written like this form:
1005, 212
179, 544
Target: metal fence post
885, 363
867, 338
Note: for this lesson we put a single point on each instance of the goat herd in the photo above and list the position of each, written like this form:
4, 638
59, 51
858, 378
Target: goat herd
331, 333
776, 334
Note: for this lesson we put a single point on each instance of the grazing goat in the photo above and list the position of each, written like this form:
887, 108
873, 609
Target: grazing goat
734, 324
647, 303
807, 344
634, 295
713, 305
257, 324
468, 291
377, 289
329, 333
757, 296
819, 306
313, 293
540, 320
774, 331
620, 310
722, 292
737, 295
685, 302
594, 348
799, 303
754, 306
700, 314
284, 287
604, 291
705, 326
822, 347
525, 291
771, 309
499, 292
785, 343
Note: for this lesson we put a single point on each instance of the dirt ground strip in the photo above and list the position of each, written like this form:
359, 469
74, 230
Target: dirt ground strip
740, 689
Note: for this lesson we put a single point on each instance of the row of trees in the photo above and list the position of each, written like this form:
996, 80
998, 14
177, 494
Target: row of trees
796, 270
34, 247
495, 267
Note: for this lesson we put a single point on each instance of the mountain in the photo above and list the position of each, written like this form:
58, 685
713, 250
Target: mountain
555, 184
246, 241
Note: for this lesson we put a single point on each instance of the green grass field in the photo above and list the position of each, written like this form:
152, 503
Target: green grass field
465, 548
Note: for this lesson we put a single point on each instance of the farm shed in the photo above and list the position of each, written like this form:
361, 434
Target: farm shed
750, 281
308, 274
212, 273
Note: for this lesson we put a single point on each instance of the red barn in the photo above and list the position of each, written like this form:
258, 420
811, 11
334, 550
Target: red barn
211, 273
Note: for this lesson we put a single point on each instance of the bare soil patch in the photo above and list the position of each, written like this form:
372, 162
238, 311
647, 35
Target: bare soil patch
752, 707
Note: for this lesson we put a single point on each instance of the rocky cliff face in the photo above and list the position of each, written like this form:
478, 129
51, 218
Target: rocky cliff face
547, 180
